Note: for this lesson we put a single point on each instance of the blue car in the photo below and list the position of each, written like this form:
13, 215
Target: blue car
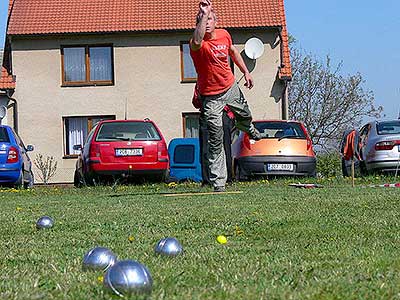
15, 164
184, 159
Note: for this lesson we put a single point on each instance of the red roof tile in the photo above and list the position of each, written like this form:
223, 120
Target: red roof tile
285, 71
91, 16
75, 16
7, 81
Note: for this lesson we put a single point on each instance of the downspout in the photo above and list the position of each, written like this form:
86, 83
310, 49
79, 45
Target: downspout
15, 110
285, 100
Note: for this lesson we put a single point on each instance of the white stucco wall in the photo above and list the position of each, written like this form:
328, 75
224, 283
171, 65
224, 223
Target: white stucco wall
147, 76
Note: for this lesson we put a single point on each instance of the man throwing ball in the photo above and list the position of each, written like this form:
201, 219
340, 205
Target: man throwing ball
210, 49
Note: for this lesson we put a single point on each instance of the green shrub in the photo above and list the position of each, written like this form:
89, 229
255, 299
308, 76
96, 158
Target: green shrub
329, 164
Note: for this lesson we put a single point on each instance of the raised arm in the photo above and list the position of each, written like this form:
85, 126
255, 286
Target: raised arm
238, 60
201, 22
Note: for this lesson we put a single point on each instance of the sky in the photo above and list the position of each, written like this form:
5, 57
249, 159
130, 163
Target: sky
363, 34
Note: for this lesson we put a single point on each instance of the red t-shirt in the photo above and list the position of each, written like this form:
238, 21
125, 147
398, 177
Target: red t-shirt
214, 74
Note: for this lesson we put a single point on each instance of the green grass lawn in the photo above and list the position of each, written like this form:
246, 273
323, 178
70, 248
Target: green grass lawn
336, 242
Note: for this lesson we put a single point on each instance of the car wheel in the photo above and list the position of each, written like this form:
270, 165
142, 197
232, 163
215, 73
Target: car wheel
29, 180
165, 176
89, 180
20, 180
239, 173
363, 169
78, 180
358, 169
345, 170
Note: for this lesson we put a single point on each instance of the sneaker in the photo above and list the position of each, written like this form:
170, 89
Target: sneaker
255, 135
219, 189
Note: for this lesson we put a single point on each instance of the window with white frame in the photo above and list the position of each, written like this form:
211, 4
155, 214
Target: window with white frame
77, 129
191, 124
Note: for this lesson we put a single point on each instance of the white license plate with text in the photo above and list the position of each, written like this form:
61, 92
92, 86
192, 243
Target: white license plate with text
280, 167
129, 152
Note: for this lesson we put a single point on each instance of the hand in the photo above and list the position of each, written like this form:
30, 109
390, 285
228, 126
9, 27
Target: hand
205, 7
249, 81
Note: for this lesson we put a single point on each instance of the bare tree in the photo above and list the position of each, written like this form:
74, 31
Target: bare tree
326, 101
47, 167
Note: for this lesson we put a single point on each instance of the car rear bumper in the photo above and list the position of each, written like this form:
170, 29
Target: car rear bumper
132, 169
258, 165
9, 175
383, 166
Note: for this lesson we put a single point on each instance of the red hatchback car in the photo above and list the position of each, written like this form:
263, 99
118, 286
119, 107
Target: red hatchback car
117, 149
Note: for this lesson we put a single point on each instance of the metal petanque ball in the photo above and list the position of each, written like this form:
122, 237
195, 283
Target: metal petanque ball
168, 246
128, 277
98, 258
44, 222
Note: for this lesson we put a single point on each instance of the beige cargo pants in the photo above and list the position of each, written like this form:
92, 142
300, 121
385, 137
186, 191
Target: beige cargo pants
213, 108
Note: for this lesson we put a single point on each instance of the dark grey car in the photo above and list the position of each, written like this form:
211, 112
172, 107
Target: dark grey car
378, 147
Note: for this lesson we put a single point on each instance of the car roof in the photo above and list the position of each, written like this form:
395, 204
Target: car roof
384, 121
282, 121
113, 121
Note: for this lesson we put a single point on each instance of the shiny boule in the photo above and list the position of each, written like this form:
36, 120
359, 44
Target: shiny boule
44, 222
128, 277
168, 246
98, 258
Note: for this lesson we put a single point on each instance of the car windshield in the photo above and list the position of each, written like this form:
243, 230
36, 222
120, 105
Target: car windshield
389, 127
281, 129
127, 131
4, 135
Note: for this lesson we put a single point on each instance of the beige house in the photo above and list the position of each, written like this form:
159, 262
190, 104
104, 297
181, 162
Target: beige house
69, 64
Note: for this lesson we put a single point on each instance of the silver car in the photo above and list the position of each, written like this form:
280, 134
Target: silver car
377, 148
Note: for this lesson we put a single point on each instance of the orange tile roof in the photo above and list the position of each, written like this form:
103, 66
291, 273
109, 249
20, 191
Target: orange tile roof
285, 71
96, 16
7, 81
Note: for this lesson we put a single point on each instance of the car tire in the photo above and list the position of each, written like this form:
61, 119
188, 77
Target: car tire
78, 180
345, 171
19, 182
29, 180
363, 169
90, 180
239, 173
165, 177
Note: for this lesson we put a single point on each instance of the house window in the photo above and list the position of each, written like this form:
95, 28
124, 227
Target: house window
87, 65
76, 131
191, 124
188, 72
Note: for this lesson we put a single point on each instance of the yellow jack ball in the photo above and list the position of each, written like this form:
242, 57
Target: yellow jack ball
221, 239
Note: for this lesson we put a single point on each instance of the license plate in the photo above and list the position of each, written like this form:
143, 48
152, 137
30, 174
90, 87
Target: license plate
129, 152
280, 167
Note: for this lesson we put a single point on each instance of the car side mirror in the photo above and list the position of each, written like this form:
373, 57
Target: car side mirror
77, 147
29, 148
